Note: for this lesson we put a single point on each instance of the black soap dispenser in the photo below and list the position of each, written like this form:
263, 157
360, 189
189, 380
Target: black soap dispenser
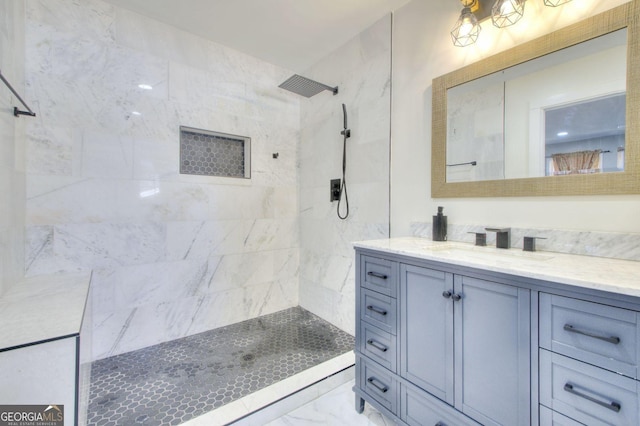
439, 226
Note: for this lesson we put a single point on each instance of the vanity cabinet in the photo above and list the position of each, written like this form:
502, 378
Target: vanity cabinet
451, 334
589, 356
461, 346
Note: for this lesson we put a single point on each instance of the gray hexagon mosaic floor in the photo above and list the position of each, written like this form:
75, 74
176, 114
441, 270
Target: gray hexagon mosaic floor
170, 383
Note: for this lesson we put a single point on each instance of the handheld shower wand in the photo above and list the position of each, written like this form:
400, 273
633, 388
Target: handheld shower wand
346, 132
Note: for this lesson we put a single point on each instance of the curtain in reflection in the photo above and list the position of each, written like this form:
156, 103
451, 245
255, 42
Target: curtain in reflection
577, 162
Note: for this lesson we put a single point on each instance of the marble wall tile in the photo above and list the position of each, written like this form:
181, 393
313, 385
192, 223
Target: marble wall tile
171, 254
327, 279
90, 17
104, 156
127, 329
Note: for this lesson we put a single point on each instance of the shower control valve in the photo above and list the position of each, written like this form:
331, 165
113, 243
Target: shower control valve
335, 189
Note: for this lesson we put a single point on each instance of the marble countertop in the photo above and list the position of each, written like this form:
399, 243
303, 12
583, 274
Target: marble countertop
611, 275
42, 308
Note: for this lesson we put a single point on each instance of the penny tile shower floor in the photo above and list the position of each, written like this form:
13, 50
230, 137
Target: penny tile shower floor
170, 383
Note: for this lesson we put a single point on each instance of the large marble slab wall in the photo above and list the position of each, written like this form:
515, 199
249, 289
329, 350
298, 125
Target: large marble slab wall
171, 254
361, 69
12, 141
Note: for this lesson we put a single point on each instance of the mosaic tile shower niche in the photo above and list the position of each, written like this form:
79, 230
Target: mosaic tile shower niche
207, 153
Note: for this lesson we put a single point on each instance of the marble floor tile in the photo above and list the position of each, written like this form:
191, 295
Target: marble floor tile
335, 408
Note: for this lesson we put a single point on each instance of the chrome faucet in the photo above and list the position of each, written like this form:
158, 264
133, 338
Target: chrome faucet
503, 237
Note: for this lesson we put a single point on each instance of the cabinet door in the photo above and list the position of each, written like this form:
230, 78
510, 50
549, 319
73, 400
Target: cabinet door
492, 339
418, 408
426, 330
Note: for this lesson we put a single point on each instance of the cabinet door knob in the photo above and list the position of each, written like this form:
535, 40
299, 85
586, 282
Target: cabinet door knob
446, 294
456, 297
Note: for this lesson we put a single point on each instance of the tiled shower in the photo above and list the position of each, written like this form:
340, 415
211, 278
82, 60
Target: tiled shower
176, 254
97, 183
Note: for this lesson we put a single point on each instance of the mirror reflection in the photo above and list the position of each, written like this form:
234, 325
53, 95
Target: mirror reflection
563, 113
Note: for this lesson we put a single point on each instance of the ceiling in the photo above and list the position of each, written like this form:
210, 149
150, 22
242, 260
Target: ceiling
293, 34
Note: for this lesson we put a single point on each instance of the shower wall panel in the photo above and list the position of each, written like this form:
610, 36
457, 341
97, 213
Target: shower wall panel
362, 70
12, 179
172, 254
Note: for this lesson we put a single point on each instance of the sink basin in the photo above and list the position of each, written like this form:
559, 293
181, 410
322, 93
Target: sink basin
488, 253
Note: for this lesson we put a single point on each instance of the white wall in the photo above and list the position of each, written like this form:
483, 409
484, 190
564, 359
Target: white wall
171, 254
361, 69
12, 142
422, 50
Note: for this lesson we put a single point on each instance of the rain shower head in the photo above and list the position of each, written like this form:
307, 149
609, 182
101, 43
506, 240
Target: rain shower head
306, 87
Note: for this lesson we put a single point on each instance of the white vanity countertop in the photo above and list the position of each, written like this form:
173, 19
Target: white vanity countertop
42, 308
598, 273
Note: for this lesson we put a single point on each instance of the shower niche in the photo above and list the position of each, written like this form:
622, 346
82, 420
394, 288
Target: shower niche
208, 153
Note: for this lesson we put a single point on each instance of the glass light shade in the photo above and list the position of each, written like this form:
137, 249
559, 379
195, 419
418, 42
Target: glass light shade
466, 29
555, 3
507, 12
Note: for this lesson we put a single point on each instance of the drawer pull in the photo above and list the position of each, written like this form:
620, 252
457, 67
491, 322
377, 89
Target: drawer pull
613, 339
377, 275
378, 346
377, 310
613, 406
382, 388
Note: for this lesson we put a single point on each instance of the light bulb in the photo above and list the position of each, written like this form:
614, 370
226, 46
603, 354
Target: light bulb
507, 12
466, 29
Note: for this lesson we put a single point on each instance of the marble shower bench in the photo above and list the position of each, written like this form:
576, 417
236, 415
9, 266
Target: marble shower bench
44, 349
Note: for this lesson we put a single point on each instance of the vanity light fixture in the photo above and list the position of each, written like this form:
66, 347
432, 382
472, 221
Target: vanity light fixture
555, 3
467, 28
504, 13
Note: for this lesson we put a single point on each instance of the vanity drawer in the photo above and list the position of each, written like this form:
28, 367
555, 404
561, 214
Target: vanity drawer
378, 310
598, 334
586, 393
552, 418
379, 383
379, 275
378, 345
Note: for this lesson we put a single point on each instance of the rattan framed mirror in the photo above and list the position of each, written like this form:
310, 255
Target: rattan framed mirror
623, 182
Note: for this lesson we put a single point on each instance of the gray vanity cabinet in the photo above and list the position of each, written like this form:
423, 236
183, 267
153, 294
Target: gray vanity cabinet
433, 344
453, 335
487, 376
